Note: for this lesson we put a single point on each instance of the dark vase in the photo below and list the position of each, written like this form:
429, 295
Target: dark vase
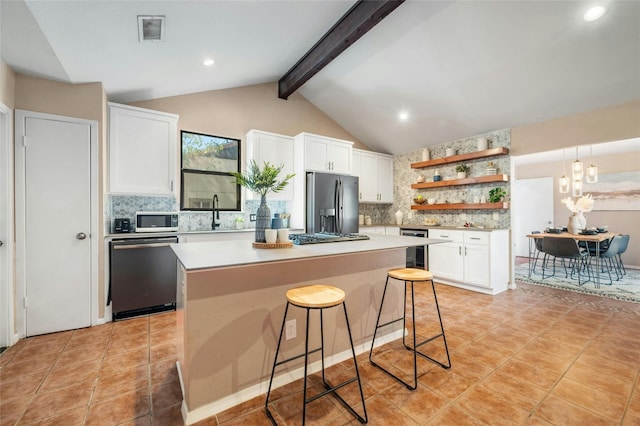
263, 219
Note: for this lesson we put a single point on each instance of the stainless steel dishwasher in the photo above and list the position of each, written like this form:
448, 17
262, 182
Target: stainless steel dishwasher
143, 276
417, 257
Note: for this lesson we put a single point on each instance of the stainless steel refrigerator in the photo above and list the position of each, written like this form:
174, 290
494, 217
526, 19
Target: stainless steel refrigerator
332, 203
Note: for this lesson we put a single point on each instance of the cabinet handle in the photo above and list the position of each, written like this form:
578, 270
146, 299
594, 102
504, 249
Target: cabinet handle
465, 251
444, 236
171, 185
474, 238
459, 251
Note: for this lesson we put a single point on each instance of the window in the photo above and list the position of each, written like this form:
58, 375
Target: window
206, 163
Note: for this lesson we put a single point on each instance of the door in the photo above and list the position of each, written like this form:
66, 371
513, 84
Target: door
385, 179
369, 180
6, 229
54, 211
533, 210
350, 205
445, 261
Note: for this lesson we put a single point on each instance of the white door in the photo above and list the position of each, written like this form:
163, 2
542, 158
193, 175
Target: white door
476, 265
55, 235
533, 210
6, 229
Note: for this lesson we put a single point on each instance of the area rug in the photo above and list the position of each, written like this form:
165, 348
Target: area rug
627, 288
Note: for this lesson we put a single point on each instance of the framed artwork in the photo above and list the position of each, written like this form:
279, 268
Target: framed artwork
615, 191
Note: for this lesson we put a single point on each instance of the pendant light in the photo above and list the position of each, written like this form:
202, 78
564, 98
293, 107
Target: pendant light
592, 170
576, 168
563, 182
577, 188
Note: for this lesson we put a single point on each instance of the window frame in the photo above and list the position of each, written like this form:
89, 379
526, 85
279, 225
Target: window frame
209, 173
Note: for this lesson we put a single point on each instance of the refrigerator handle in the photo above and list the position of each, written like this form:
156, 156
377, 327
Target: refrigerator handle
336, 205
341, 217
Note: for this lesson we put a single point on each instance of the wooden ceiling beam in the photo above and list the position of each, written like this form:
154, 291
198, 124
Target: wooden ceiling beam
363, 16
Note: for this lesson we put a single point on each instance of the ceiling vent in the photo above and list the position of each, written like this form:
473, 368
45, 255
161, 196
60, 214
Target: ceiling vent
150, 28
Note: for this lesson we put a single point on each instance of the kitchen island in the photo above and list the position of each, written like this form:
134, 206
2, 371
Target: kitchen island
231, 299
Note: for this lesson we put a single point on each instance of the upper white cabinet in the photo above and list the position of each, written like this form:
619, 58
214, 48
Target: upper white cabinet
475, 260
325, 154
142, 151
277, 150
376, 176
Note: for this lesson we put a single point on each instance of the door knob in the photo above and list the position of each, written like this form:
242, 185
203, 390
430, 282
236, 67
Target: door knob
1, 243
81, 235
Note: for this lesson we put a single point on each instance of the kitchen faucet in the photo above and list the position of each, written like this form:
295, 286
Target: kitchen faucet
215, 212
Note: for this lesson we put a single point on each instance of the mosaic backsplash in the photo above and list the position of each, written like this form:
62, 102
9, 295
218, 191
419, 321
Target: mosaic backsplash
404, 176
125, 206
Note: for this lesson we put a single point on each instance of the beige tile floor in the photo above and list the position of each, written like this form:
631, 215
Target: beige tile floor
530, 356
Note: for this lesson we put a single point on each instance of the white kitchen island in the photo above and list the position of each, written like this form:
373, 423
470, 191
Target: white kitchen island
231, 299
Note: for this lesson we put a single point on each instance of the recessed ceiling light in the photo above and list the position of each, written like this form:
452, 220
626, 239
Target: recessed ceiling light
594, 13
208, 62
403, 116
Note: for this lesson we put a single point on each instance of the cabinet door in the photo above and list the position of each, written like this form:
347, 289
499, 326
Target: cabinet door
385, 179
476, 265
446, 261
340, 157
142, 151
316, 154
369, 179
356, 160
277, 150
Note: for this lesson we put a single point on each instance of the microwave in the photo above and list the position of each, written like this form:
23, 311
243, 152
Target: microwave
156, 222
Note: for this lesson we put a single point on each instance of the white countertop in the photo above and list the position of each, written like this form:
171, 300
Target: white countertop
218, 254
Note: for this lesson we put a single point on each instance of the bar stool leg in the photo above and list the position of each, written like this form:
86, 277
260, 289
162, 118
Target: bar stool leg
275, 363
306, 363
416, 345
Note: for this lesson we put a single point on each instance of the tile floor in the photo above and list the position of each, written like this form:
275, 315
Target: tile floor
530, 356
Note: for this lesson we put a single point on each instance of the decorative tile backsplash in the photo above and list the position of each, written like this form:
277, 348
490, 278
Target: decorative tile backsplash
125, 206
404, 176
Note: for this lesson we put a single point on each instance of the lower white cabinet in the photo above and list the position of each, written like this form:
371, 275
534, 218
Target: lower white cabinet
388, 230
375, 173
475, 260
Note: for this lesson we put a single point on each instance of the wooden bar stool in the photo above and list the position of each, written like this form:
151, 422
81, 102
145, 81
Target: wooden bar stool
410, 275
320, 297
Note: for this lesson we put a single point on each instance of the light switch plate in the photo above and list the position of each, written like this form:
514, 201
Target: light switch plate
290, 330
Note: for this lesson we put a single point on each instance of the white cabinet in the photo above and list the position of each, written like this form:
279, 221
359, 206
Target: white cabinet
445, 259
476, 260
324, 154
375, 173
277, 150
142, 151
388, 230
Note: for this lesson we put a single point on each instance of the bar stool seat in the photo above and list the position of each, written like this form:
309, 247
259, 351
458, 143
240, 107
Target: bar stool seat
410, 275
320, 297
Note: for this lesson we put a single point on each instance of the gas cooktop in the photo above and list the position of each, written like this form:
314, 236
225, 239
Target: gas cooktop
325, 237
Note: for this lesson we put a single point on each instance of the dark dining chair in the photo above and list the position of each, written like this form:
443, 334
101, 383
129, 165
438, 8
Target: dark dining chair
538, 250
624, 243
565, 249
609, 258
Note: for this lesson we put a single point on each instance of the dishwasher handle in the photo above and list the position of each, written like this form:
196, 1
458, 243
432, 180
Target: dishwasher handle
139, 246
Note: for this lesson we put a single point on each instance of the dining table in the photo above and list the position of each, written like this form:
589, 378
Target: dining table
596, 238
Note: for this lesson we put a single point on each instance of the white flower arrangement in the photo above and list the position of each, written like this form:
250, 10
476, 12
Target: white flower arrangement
582, 205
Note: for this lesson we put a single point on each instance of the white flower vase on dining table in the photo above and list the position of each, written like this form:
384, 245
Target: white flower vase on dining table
577, 223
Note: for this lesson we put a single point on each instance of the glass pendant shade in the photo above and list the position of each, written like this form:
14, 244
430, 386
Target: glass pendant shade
563, 184
592, 174
577, 188
577, 170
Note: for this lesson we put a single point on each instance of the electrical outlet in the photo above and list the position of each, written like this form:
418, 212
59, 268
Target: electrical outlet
496, 216
252, 217
290, 330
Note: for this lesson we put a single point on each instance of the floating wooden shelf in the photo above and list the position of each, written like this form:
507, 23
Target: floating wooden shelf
461, 206
461, 157
465, 181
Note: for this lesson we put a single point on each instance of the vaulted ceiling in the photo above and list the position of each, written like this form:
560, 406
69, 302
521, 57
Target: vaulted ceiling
457, 68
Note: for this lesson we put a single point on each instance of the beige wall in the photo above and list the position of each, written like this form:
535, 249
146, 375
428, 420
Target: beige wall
608, 124
233, 112
86, 101
7, 85
620, 221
